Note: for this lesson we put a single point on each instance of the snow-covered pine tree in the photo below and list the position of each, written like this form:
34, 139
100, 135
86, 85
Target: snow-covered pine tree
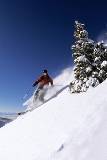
90, 60
100, 61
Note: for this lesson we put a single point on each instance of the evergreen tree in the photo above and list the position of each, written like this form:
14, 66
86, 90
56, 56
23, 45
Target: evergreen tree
90, 60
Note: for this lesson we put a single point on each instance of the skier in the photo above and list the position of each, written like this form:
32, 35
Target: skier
42, 82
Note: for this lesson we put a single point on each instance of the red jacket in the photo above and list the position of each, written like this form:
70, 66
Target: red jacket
43, 80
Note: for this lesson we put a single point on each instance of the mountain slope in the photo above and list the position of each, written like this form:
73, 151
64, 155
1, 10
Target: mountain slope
68, 127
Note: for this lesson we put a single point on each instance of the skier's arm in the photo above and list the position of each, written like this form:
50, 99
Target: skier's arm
37, 81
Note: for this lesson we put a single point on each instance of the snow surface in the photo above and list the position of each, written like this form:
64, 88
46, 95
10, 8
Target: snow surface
68, 127
104, 64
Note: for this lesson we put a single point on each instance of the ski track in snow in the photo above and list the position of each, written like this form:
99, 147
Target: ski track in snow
68, 127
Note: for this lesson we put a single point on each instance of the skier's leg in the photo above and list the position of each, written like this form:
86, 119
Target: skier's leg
43, 93
36, 94
41, 96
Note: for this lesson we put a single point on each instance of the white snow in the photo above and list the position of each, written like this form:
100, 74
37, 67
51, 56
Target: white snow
104, 64
88, 69
68, 127
81, 59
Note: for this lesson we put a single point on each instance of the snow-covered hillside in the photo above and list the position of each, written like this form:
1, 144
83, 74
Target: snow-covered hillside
68, 127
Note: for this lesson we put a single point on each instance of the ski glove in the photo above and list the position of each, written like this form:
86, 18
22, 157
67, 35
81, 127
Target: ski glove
34, 84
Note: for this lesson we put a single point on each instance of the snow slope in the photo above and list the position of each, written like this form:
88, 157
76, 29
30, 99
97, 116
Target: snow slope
68, 127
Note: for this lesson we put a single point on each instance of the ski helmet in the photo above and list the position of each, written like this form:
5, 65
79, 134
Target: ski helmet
45, 71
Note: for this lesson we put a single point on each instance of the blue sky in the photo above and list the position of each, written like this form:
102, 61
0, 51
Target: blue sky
37, 34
